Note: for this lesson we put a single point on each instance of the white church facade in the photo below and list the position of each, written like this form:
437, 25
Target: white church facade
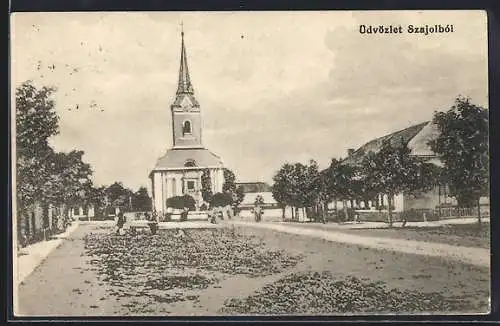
180, 170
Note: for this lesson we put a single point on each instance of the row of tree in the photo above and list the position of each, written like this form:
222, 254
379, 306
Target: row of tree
462, 146
45, 177
106, 199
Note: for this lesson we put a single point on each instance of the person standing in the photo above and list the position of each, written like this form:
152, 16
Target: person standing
120, 222
153, 221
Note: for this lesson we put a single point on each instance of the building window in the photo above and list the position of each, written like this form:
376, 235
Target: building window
190, 185
76, 211
190, 163
174, 187
186, 127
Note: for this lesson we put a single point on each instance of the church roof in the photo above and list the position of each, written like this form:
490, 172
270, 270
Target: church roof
176, 158
397, 138
184, 85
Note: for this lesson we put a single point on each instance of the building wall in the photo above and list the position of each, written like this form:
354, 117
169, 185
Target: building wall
158, 191
194, 139
428, 200
174, 183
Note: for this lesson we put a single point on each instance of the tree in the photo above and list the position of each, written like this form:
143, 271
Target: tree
296, 185
341, 182
390, 171
229, 180
43, 175
237, 198
221, 199
141, 201
206, 186
462, 145
119, 196
36, 122
71, 176
97, 198
235, 193
281, 187
311, 186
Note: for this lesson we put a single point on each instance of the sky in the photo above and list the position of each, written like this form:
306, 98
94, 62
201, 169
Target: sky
273, 87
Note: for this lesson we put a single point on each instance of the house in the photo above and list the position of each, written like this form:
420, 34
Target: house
179, 172
82, 212
254, 189
416, 138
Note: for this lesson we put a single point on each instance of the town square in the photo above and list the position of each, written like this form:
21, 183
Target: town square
249, 163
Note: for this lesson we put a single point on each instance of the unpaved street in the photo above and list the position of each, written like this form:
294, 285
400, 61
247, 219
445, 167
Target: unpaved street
72, 283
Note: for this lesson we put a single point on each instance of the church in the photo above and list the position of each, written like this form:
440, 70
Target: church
180, 170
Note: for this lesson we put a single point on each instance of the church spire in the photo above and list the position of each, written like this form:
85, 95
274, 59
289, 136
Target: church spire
184, 85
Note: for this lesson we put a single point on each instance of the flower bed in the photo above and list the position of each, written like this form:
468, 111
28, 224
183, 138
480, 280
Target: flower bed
142, 265
321, 293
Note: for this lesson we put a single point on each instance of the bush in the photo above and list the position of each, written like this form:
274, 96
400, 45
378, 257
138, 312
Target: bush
221, 200
181, 202
203, 207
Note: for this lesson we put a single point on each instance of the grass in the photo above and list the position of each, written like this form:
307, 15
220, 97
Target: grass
468, 235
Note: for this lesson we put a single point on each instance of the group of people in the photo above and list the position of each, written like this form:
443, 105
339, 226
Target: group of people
153, 218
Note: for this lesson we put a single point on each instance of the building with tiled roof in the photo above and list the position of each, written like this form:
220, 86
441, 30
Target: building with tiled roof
401, 137
179, 171
416, 138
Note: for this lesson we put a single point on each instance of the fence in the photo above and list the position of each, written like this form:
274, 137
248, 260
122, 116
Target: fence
450, 212
415, 215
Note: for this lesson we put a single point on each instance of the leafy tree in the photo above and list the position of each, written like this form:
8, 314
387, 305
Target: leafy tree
235, 193
229, 180
237, 197
312, 187
206, 186
36, 122
141, 200
341, 182
221, 199
119, 196
296, 185
462, 145
281, 187
70, 177
43, 175
390, 171
97, 198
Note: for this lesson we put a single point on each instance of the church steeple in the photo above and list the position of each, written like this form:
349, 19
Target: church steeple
184, 85
186, 117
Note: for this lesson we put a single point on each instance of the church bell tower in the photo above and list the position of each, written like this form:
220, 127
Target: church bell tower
186, 117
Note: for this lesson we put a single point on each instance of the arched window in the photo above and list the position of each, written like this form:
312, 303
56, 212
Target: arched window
190, 163
186, 127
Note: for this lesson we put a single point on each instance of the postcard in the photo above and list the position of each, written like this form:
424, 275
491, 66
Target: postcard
250, 163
